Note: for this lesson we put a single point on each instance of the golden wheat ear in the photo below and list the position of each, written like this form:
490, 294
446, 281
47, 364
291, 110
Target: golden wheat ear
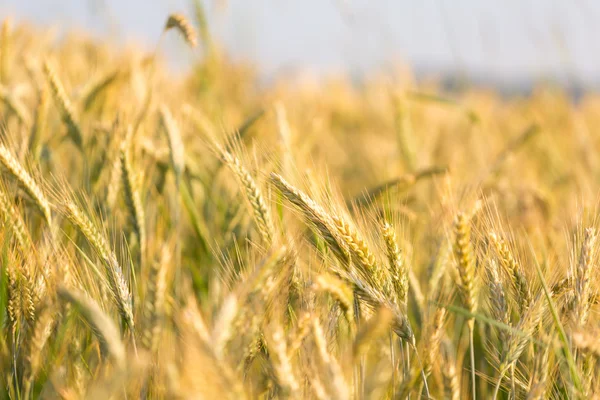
103, 327
118, 286
261, 212
26, 182
64, 104
179, 22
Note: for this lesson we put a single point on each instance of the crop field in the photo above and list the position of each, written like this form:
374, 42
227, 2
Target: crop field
202, 235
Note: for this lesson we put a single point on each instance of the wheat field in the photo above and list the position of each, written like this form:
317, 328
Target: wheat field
201, 235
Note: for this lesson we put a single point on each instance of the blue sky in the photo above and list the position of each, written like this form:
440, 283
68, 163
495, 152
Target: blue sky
510, 39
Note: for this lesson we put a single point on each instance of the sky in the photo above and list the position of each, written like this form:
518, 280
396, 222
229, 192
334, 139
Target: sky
509, 40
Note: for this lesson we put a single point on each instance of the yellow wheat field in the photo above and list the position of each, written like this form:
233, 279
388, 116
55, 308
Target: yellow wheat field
205, 236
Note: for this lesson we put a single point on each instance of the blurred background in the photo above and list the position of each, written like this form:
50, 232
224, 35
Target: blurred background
509, 45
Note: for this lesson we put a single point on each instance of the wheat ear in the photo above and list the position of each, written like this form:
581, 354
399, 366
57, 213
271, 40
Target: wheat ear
465, 256
284, 371
155, 300
315, 215
117, 283
584, 270
100, 323
180, 22
41, 334
398, 268
133, 199
26, 182
64, 105
339, 291
11, 217
176, 148
517, 344
335, 381
509, 263
261, 212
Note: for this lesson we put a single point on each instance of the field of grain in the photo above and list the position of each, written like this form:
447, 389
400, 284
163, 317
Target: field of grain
200, 235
